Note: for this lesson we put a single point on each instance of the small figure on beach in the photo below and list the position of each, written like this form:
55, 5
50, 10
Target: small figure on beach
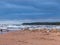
1, 30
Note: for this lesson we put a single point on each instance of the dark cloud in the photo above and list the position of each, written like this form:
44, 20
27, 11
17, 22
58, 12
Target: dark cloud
29, 9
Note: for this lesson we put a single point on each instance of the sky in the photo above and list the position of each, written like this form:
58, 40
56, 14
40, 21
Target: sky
30, 10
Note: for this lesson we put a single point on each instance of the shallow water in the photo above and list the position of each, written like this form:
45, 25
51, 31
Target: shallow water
4, 32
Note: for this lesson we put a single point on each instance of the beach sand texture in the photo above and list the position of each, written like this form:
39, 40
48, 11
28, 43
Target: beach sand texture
27, 37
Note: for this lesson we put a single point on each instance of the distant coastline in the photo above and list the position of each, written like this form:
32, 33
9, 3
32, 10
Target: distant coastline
42, 23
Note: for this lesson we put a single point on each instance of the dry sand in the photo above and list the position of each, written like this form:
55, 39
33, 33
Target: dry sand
30, 38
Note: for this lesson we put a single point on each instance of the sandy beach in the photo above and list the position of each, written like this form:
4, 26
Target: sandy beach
26, 37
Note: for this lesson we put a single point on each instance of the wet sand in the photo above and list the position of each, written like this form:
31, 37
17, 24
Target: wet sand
26, 37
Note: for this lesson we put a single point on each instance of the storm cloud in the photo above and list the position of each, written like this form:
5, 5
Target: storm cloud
29, 9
